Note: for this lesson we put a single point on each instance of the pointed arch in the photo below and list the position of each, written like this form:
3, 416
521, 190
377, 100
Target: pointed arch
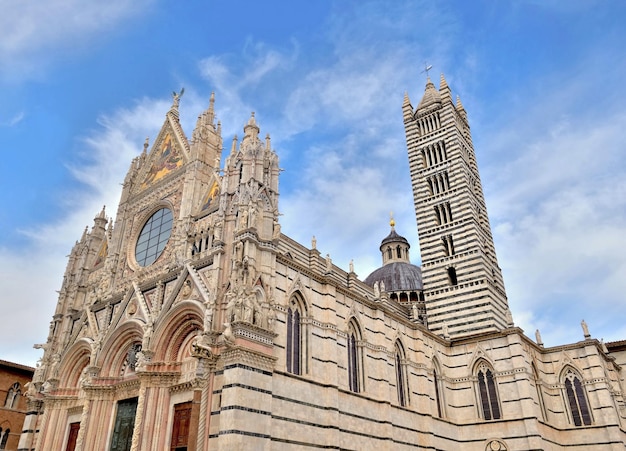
575, 397
297, 336
73, 363
402, 382
183, 322
487, 390
113, 361
13, 395
355, 356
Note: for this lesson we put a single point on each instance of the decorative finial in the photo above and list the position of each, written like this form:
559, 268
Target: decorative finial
392, 222
146, 143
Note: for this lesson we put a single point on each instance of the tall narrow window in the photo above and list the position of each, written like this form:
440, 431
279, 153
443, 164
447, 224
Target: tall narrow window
296, 336
5, 438
354, 367
439, 389
452, 276
401, 382
488, 393
576, 399
293, 340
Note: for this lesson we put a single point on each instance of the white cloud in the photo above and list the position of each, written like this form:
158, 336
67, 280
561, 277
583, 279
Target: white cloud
14, 120
559, 217
33, 32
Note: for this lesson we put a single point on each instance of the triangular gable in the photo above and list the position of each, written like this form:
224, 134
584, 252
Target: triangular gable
169, 153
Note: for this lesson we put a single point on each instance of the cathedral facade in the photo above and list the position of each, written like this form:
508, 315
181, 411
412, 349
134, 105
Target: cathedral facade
191, 322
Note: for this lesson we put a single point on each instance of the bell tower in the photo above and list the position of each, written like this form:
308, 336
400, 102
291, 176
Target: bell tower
463, 285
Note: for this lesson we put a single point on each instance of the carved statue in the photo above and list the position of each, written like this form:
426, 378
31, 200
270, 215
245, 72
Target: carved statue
248, 308
271, 318
176, 97
217, 231
276, 230
208, 316
239, 251
376, 290
538, 337
253, 214
415, 312
444, 329
243, 222
230, 298
95, 348
229, 338
351, 265
148, 330
583, 324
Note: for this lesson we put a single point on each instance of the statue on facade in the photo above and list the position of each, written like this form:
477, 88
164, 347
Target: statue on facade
148, 330
276, 229
252, 207
176, 98
208, 315
583, 324
538, 338
243, 221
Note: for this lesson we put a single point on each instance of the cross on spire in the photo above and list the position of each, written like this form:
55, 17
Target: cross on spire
427, 67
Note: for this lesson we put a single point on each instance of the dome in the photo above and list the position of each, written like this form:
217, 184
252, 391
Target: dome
397, 273
397, 276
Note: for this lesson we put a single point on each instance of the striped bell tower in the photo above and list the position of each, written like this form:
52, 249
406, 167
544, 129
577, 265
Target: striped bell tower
463, 285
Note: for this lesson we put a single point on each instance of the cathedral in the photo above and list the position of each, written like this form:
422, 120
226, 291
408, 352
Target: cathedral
191, 322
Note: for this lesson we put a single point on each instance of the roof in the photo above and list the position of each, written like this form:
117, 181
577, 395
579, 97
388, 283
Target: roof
431, 96
16, 366
397, 276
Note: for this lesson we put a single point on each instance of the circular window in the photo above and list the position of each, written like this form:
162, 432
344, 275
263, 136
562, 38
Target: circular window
153, 237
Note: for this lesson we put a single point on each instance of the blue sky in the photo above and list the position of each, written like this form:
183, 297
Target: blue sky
84, 82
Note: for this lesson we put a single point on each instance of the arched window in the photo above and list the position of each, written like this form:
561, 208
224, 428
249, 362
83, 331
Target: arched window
487, 392
12, 396
401, 379
354, 358
438, 389
576, 399
398, 252
5, 438
295, 349
537, 382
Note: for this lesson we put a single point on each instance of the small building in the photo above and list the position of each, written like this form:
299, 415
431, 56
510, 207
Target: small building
14, 380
